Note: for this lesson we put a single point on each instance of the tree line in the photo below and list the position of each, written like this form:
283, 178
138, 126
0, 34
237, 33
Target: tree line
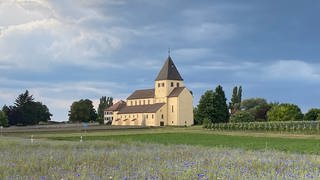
27, 111
213, 104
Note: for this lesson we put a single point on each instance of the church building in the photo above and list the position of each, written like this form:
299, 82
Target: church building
169, 103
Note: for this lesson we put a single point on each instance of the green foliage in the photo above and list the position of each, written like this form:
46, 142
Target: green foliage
312, 115
3, 119
197, 116
220, 107
26, 111
252, 103
213, 106
104, 104
235, 103
205, 123
258, 107
205, 106
242, 116
304, 127
82, 111
284, 112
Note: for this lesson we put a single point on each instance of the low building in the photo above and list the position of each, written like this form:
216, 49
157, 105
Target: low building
168, 103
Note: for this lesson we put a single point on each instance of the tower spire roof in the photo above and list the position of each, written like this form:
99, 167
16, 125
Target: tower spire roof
169, 71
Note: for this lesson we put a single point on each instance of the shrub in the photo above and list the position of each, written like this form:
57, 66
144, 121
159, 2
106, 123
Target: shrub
285, 112
312, 115
206, 123
242, 116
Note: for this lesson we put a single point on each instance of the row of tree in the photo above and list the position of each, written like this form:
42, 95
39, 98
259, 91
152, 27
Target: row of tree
27, 111
212, 108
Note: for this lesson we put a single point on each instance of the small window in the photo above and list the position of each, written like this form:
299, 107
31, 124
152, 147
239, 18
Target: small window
144, 102
158, 84
152, 116
162, 84
147, 116
135, 103
148, 101
131, 103
172, 122
172, 108
161, 116
171, 84
139, 102
178, 84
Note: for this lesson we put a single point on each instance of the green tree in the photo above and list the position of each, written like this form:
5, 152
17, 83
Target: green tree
235, 103
26, 111
284, 112
312, 115
196, 116
3, 119
82, 111
205, 107
104, 104
220, 107
252, 103
258, 107
242, 116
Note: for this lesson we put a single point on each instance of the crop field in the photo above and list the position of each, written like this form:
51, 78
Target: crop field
167, 153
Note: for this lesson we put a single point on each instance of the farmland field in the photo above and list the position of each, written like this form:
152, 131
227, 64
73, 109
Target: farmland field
161, 153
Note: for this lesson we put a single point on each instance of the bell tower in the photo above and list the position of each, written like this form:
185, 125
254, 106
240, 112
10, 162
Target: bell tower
167, 79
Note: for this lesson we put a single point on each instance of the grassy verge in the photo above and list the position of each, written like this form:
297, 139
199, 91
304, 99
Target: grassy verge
292, 145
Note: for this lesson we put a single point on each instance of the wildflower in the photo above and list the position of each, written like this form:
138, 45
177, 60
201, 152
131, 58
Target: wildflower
201, 175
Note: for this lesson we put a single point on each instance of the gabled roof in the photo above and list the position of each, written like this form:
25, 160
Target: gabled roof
150, 108
169, 71
176, 91
117, 106
142, 94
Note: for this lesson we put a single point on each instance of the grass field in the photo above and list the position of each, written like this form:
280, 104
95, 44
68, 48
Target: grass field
158, 153
310, 146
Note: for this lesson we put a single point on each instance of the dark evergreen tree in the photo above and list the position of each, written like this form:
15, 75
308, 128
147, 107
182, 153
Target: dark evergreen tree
26, 111
220, 107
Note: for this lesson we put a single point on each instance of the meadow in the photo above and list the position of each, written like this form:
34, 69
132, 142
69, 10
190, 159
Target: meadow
161, 153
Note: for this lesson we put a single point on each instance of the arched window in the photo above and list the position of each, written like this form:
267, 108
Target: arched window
178, 84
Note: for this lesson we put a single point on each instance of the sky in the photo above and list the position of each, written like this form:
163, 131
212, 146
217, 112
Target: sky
66, 50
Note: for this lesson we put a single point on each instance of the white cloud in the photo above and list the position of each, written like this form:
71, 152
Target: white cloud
55, 36
292, 70
229, 66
